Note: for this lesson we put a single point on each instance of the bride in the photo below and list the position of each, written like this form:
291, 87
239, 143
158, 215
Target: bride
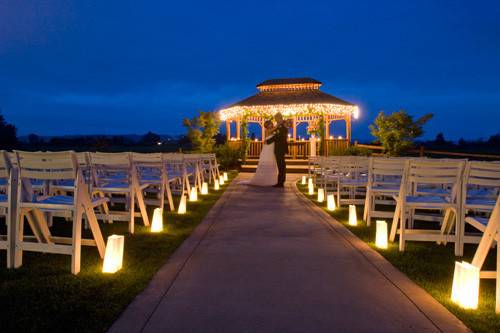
267, 169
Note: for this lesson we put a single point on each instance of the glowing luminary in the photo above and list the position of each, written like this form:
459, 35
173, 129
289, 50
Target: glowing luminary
465, 289
381, 235
113, 257
193, 195
204, 188
311, 188
157, 224
182, 205
330, 202
225, 177
353, 219
216, 185
321, 195
303, 180
221, 180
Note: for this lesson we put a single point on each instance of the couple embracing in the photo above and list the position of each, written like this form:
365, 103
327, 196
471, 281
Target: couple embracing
271, 170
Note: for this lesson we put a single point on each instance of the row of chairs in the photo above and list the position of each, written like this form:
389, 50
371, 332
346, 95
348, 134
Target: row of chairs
451, 192
430, 200
84, 188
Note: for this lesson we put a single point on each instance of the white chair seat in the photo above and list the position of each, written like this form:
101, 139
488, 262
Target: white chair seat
479, 223
427, 199
354, 182
432, 190
482, 202
482, 192
392, 188
65, 200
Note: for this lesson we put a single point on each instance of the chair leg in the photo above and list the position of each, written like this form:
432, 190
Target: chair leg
18, 252
142, 206
131, 200
76, 250
395, 221
497, 302
367, 208
402, 222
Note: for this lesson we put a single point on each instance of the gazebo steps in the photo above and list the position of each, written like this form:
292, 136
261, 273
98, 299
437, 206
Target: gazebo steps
255, 161
292, 166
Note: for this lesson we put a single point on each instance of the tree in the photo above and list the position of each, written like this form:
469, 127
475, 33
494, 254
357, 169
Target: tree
202, 130
34, 140
397, 131
440, 139
150, 139
8, 134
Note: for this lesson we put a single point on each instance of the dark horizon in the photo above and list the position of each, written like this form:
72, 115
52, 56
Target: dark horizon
72, 68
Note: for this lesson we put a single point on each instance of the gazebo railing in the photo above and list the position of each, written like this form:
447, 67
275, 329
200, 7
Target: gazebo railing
300, 149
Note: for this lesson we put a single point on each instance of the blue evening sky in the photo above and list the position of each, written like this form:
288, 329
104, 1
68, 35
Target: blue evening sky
121, 67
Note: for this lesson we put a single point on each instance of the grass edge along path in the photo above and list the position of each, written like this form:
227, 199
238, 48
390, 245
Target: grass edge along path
43, 295
429, 265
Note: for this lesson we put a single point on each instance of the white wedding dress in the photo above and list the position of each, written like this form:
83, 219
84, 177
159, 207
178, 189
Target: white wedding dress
267, 169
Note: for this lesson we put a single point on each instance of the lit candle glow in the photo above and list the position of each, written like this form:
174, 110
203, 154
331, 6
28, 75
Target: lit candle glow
321, 195
182, 205
157, 224
204, 188
465, 289
381, 235
113, 257
330, 201
353, 219
193, 195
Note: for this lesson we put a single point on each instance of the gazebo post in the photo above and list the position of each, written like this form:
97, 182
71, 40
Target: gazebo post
348, 128
294, 124
263, 131
238, 129
228, 129
326, 121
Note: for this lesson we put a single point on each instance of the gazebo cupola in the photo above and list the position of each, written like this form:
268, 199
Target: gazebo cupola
299, 99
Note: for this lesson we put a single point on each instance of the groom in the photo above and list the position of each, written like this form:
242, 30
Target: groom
280, 147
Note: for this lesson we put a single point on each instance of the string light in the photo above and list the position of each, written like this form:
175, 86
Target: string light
288, 110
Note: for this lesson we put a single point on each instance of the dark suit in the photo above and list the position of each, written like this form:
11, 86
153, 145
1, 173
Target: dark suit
280, 150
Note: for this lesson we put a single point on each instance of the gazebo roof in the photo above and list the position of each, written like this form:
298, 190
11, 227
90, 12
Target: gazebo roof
289, 96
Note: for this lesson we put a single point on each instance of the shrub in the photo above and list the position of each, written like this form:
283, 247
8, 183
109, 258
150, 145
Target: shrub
228, 157
397, 131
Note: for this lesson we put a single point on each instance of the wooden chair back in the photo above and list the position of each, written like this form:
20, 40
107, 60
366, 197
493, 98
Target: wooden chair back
47, 165
437, 176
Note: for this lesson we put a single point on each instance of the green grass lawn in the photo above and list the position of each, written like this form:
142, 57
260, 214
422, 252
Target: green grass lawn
431, 266
42, 295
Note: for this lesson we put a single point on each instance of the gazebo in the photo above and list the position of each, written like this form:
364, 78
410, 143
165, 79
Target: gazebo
298, 99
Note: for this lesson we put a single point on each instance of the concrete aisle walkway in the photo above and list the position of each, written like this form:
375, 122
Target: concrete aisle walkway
266, 260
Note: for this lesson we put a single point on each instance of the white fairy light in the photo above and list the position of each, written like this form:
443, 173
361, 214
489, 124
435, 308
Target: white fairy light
288, 110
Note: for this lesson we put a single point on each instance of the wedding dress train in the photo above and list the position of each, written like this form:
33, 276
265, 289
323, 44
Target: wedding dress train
267, 169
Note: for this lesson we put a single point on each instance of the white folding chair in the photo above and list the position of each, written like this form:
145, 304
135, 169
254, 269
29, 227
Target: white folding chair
352, 180
429, 185
490, 227
151, 170
481, 187
114, 176
178, 174
193, 166
8, 208
384, 181
49, 168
